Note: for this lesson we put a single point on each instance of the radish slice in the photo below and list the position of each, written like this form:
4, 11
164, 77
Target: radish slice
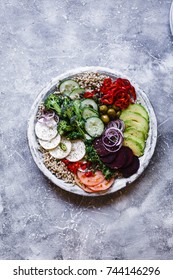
93, 180
59, 152
106, 184
81, 185
51, 123
45, 132
77, 151
52, 144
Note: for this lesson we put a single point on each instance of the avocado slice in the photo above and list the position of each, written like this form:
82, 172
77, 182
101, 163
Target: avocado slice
134, 145
137, 126
135, 139
127, 115
138, 108
131, 131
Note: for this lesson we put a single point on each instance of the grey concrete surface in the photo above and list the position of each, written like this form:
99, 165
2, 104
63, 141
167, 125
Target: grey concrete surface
39, 40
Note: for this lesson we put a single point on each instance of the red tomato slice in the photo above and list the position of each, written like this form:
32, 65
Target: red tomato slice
92, 180
106, 184
82, 186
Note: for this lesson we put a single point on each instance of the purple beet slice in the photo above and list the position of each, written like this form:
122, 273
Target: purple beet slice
119, 160
98, 145
109, 158
129, 156
131, 168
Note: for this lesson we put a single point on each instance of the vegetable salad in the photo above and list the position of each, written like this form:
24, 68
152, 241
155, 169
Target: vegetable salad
98, 131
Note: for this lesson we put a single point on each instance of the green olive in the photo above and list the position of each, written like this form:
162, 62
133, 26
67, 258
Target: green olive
111, 113
118, 113
115, 108
103, 109
105, 118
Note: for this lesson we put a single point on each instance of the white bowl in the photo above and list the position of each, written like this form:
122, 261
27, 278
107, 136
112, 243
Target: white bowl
119, 183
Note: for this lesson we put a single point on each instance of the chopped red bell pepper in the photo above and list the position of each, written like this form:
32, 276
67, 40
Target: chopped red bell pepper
88, 94
74, 166
89, 174
107, 98
119, 92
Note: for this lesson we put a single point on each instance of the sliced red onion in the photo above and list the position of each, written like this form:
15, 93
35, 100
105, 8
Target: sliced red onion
48, 119
48, 115
115, 149
41, 120
49, 123
117, 124
107, 142
112, 139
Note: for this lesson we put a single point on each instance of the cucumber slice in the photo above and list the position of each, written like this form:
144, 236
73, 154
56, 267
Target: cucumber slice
88, 113
76, 93
94, 126
90, 103
66, 87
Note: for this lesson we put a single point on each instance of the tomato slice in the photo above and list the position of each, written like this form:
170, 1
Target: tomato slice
106, 184
82, 186
94, 179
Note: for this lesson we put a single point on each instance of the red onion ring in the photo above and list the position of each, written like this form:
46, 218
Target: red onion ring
49, 123
113, 150
117, 124
48, 119
106, 144
112, 139
41, 120
48, 115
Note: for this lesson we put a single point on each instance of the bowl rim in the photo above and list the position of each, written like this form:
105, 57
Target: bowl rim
119, 183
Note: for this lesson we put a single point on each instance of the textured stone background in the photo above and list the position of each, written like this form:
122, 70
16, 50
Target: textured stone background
39, 40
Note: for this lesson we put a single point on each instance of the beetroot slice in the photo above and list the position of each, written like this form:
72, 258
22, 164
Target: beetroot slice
109, 158
119, 160
129, 156
131, 168
98, 145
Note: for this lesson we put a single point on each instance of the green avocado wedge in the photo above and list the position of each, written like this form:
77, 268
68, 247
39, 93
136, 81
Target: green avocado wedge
138, 108
136, 122
137, 126
134, 145
136, 117
135, 139
130, 131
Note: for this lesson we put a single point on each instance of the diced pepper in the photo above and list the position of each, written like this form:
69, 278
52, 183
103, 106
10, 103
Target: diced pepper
88, 94
120, 93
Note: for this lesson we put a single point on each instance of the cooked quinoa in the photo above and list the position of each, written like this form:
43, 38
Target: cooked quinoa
58, 168
90, 80
40, 111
